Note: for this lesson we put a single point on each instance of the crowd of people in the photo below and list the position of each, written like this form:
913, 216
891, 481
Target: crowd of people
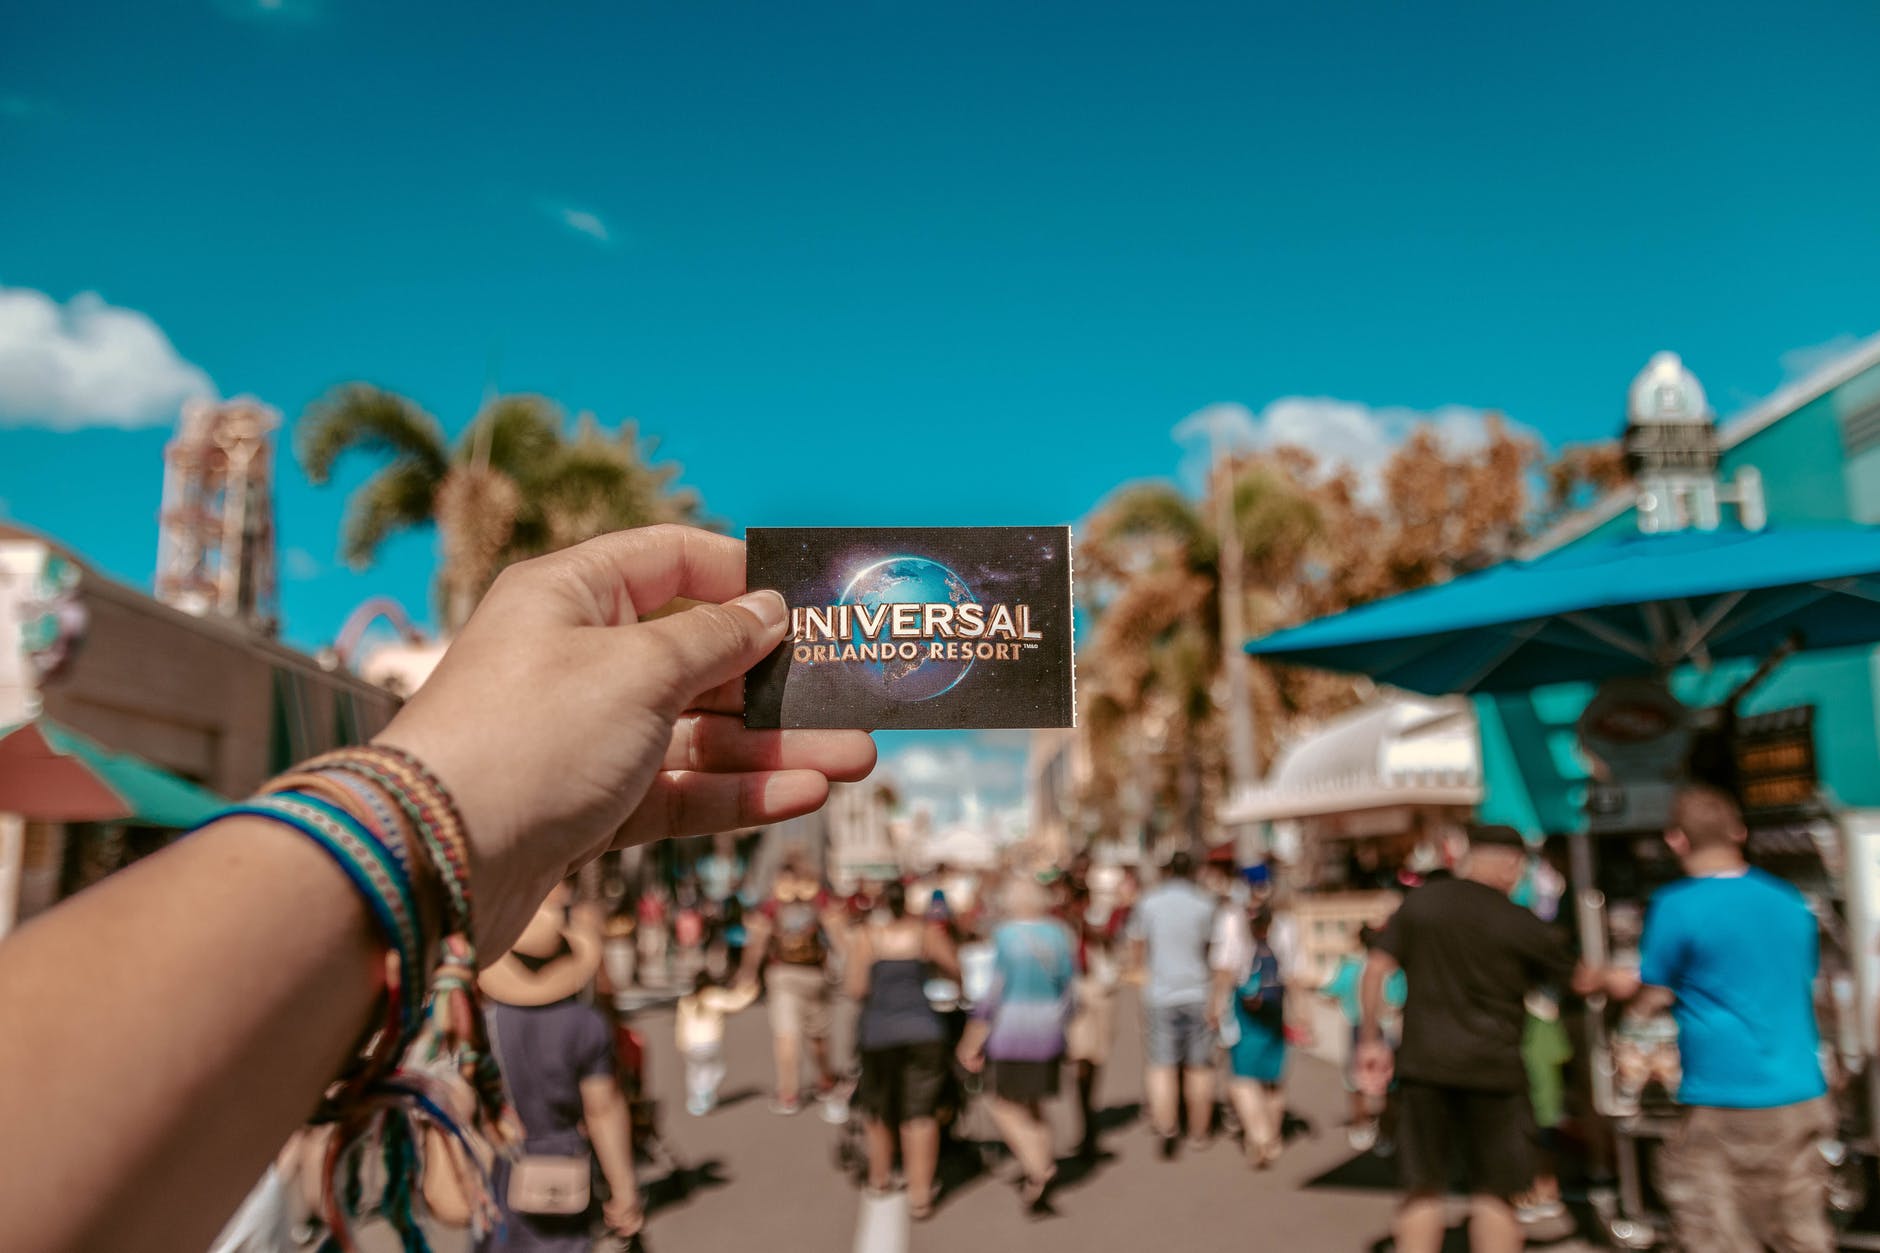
1003, 988
997, 987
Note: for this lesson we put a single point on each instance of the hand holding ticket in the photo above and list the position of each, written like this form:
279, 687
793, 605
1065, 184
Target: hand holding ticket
901, 627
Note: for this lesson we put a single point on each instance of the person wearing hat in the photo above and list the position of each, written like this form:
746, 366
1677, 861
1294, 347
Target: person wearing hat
1470, 955
557, 1055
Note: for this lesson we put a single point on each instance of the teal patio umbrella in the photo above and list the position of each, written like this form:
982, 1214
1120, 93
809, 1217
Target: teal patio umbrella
1642, 605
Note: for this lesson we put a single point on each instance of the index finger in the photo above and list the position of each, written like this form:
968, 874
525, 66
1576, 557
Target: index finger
628, 574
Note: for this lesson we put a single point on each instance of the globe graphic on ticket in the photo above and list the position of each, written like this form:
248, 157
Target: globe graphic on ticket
908, 581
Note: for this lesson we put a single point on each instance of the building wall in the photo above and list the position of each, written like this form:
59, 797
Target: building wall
203, 698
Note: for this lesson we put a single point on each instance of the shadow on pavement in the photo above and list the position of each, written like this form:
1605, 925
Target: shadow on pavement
738, 1096
1366, 1171
677, 1186
1116, 1117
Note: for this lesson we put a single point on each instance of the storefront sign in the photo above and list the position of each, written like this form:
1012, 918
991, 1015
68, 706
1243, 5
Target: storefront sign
1775, 760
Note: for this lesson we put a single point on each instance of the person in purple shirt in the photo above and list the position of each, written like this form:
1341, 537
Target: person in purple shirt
1019, 1030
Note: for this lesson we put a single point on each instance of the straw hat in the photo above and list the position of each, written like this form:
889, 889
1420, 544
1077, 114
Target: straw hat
571, 943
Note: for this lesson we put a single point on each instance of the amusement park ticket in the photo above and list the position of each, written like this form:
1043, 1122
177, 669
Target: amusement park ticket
915, 627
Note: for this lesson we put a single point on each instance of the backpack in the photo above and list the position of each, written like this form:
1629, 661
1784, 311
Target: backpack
1263, 995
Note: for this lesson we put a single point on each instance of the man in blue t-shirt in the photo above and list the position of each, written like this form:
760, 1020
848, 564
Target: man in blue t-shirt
1732, 951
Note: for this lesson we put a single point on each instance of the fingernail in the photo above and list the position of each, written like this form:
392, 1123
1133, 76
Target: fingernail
766, 606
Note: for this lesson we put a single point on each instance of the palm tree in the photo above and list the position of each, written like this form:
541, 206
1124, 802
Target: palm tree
1150, 565
515, 485
1315, 540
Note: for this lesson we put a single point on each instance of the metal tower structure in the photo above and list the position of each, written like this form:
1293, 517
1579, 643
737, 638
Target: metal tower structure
215, 542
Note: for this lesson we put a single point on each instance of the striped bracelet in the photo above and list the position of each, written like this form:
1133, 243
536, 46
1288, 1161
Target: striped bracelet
381, 813
375, 871
431, 811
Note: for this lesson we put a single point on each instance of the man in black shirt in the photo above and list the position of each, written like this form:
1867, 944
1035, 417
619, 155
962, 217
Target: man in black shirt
1469, 955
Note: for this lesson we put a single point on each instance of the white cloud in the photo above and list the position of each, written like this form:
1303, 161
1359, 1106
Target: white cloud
300, 565
952, 775
285, 12
1798, 363
581, 221
88, 363
1344, 432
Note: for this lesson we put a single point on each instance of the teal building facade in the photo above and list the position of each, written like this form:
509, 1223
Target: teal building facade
1816, 445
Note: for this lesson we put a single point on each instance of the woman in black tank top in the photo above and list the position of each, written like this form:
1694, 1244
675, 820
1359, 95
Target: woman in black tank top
902, 1042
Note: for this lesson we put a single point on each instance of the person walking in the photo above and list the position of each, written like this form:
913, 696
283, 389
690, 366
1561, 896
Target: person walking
1732, 952
557, 1056
1257, 1059
1169, 931
902, 1042
1363, 1126
1470, 956
699, 1032
1018, 1030
791, 936
653, 934
735, 934
1093, 1023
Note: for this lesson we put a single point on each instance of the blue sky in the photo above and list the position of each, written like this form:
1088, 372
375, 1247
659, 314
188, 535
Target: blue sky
901, 263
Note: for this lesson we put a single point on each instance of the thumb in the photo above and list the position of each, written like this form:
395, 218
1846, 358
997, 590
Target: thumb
707, 645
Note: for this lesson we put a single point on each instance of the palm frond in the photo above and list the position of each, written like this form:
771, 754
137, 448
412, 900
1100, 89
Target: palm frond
518, 435
401, 495
362, 418
1141, 525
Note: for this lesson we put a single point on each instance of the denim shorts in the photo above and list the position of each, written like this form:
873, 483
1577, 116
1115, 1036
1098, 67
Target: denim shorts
1179, 1036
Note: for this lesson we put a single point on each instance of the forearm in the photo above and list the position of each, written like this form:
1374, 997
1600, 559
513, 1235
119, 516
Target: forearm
175, 1023
756, 944
945, 959
1371, 1000
1222, 987
610, 1131
1652, 1000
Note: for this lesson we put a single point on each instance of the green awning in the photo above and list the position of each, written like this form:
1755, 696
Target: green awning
53, 774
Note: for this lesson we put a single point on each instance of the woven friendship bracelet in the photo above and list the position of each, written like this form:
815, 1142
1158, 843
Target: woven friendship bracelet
429, 807
378, 807
362, 803
370, 865
441, 837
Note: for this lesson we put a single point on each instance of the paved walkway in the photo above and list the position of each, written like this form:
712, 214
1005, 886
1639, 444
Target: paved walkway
757, 1180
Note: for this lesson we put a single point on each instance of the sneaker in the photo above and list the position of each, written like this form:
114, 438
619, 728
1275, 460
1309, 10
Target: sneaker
1386, 1147
1169, 1145
696, 1107
786, 1108
835, 1109
1362, 1137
